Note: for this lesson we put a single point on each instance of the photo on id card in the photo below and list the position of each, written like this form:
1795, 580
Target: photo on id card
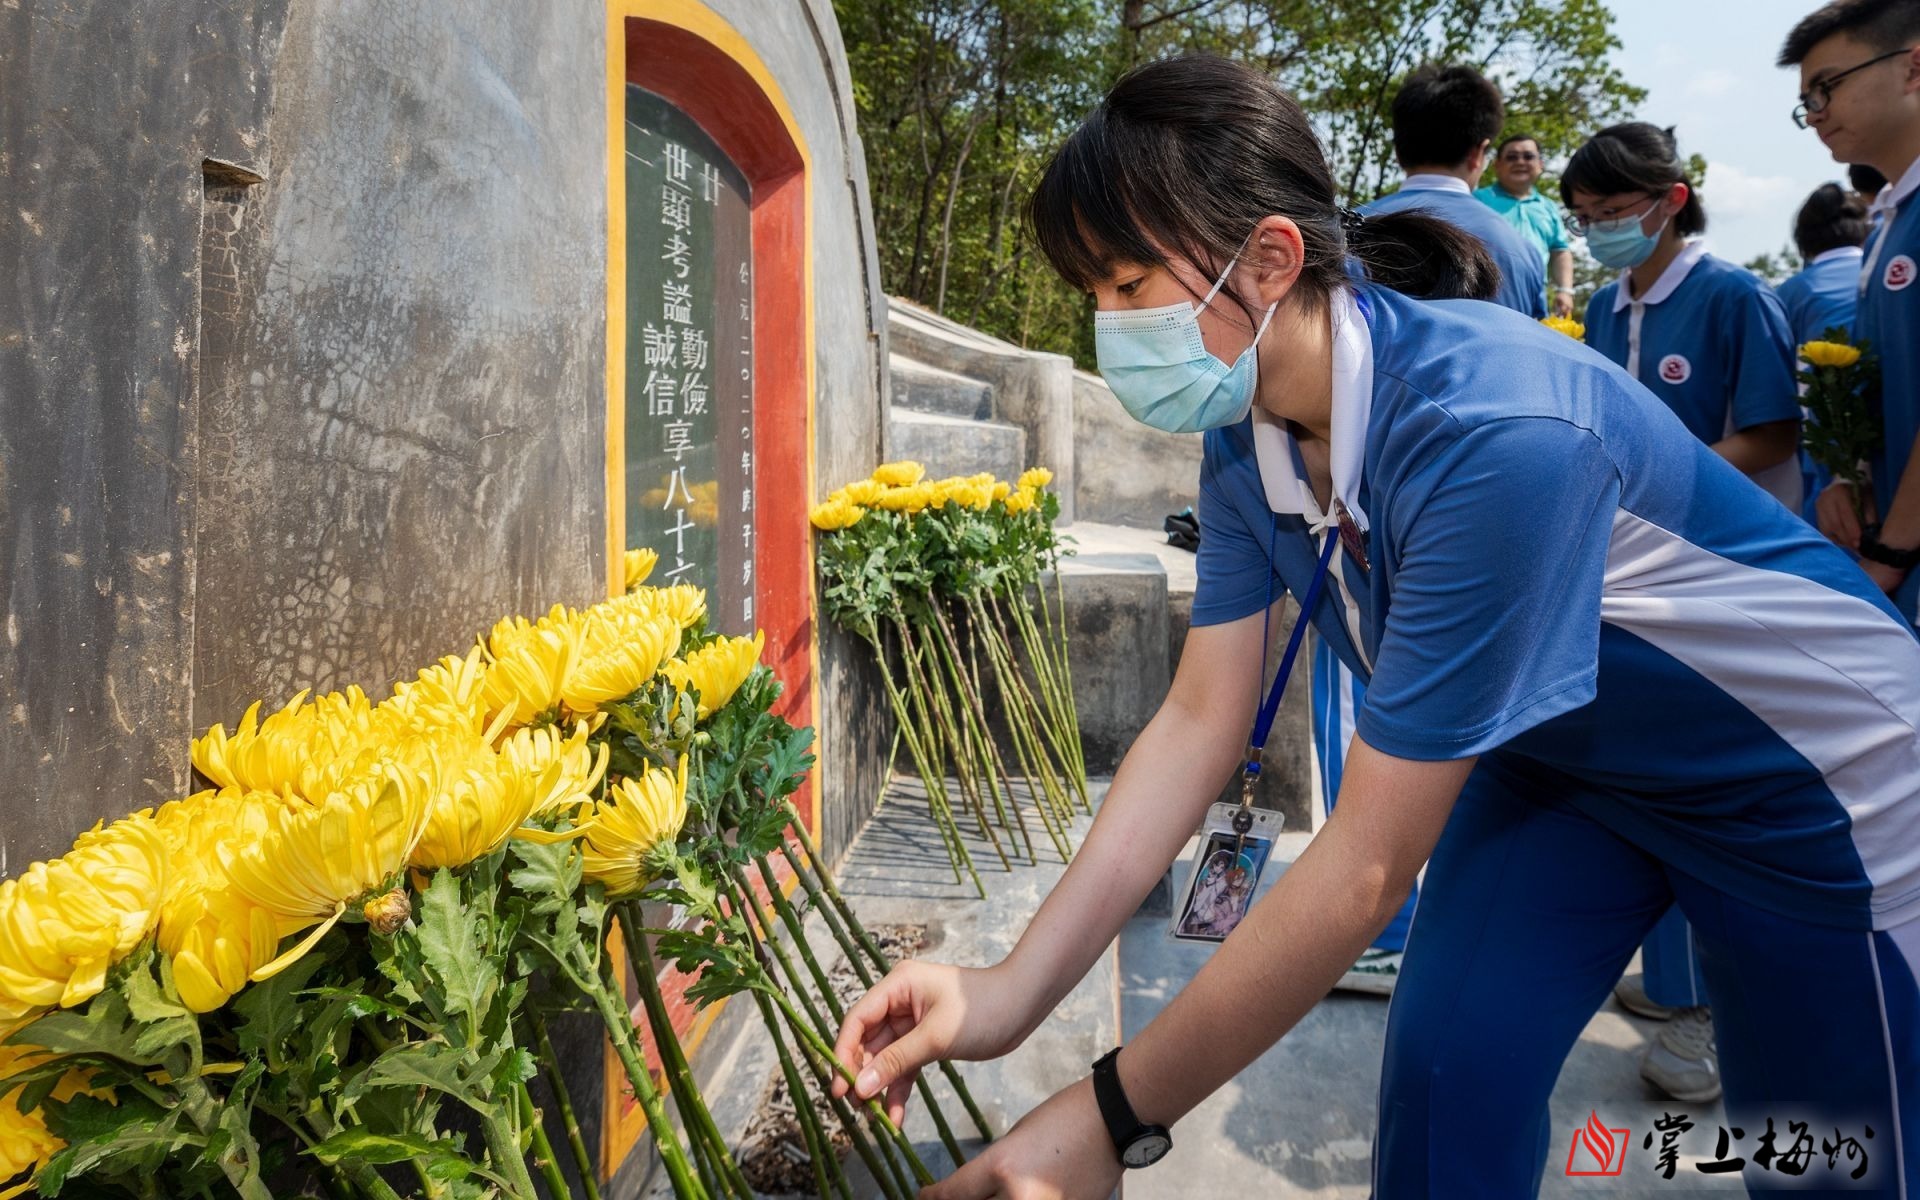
1220, 886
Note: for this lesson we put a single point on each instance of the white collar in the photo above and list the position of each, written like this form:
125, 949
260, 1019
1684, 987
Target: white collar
1671, 278
1286, 491
1895, 194
1434, 181
1836, 252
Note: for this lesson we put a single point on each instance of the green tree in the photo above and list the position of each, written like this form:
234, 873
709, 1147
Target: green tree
961, 101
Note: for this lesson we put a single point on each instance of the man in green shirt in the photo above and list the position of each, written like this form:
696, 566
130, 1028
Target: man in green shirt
1536, 218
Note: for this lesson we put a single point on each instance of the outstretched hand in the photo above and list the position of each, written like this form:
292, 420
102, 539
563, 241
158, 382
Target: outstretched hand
923, 1013
1059, 1151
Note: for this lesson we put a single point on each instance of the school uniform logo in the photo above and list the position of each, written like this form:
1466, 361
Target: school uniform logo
1675, 368
1900, 273
1597, 1149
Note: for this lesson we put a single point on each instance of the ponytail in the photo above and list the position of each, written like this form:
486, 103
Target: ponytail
1423, 256
1186, 155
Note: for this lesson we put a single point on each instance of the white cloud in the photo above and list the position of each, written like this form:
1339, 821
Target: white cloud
1733, 191
1713, 83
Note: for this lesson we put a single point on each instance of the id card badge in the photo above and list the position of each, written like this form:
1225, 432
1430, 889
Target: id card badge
1236, 840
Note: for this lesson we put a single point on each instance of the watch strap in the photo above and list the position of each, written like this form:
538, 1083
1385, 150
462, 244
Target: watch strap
1872, 548
1124, 1126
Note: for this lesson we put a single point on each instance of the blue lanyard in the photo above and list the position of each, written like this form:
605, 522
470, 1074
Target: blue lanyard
1270, 707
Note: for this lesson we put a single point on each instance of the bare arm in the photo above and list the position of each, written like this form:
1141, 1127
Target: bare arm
1560, 266
1760, 446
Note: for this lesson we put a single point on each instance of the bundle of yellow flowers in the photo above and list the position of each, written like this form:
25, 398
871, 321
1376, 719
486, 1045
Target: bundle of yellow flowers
1566, 325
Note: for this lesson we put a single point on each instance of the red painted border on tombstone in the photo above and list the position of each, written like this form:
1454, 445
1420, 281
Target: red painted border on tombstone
701, 80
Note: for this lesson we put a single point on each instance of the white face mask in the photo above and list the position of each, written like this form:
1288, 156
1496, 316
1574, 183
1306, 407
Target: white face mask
1158, 365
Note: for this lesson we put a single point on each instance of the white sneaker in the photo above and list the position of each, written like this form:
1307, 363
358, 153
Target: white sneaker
1631, 992
1683, 1061
1375, 973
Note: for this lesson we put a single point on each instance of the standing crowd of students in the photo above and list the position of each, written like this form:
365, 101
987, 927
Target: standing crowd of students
1589, 684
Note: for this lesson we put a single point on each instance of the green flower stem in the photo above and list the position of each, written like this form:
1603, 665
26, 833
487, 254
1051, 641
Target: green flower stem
694, 1113
1024, 717
930, 777
1052, 712
931, 693
203, 1110
972, 721
810, 1126
620, 1028
859, 937
563, 1101
543, 1155
503, 1147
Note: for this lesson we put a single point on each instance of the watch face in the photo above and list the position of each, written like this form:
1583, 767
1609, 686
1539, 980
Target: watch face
1147, 1149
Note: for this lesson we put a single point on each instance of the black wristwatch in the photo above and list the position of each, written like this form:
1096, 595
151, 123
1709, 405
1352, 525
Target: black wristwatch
1871, 547
1138, 1144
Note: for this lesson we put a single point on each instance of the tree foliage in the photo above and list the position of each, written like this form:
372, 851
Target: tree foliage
961, 101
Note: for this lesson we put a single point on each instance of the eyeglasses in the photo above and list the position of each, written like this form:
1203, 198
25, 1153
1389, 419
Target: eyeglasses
1816, 98
1523, 156
1608, 216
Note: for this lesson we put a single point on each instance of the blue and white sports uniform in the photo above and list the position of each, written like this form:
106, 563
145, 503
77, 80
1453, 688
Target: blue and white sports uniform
1821, 297
1677, 692
1889, 319
1523, 276
1711, 341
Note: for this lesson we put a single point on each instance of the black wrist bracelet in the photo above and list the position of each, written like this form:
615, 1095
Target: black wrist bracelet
1874, 550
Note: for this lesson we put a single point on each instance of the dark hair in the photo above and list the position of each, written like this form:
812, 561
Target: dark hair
1831, 218
1865, 179
1442, 114
1633, 157
1511, 138
1884, 25
1186, 155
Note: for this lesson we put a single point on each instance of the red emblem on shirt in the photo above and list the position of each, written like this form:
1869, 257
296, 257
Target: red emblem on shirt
1900, 273
1675, 368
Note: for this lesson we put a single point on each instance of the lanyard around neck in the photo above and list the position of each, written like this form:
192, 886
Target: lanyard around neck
1270, 706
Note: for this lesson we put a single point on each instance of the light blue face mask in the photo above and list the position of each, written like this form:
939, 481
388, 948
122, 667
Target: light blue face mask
1622, 244
1157, 364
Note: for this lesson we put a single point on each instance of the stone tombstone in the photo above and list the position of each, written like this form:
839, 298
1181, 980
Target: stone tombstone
689, 419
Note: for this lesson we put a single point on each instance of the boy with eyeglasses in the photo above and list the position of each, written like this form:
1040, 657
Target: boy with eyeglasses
1859, 66
1516, 168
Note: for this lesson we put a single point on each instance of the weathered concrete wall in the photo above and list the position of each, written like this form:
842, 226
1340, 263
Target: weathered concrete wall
315, 416
1123, 472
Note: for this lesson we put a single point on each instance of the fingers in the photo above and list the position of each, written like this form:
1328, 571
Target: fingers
868, 1027
896, 1064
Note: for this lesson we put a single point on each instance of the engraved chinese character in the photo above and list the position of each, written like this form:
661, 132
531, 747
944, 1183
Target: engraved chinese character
676, 302
678, 435
693, 349
746, 607
676, 163
746, 500
677, 482
676, 209
743, 270
709, 183
660, 391
679, 532
680, 568
658, 345
693, 394
679, 254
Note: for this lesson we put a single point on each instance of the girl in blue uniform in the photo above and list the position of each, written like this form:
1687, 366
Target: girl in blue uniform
1570, 614
1711, 342
1821, 297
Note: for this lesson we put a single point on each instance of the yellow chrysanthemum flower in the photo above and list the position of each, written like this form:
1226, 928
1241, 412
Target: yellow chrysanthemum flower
25, 1141
1002, 489
1021, 501
447, 696
564, 767
716, 670
836, 514
686, 603
639, 564
862, 492
314, 858
642, 644
906, 499
899, 474
530, 665
483, 797
635, 816
216, 939
1566, 325
1035, 478
268, 755
64, 922
1830, 354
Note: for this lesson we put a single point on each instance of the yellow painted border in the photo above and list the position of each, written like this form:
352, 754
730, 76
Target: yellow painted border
618, 1137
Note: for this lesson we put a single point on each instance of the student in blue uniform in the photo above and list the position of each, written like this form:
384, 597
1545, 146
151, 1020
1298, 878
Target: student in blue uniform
1859, 66
1572, 615
1820, 298
1711, 342
1444, 123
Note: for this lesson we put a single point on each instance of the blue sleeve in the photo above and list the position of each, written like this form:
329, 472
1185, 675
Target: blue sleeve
1234, 568
1493, 621
1760, 361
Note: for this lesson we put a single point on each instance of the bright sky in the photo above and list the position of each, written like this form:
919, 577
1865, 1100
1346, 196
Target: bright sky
1708, 68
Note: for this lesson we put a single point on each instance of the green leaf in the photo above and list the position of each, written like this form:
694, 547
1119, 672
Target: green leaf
270, 1011
454, 948
450, 1070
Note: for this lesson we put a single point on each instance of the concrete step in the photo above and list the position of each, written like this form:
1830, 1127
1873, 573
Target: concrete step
956, 445
924, 388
